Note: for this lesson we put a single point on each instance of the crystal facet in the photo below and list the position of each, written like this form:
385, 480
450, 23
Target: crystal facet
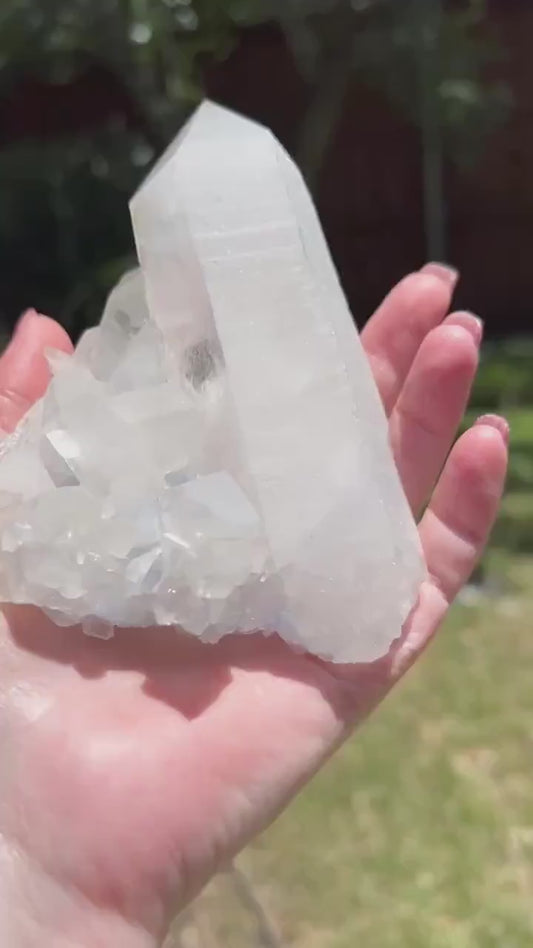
214, 455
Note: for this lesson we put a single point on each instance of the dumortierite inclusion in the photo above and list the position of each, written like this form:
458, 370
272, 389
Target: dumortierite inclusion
214, 455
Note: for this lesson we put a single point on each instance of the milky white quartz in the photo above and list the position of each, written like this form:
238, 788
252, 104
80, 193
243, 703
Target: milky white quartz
214, 455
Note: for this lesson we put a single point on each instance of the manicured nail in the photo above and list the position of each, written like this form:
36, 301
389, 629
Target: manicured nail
473, 324
20, 327
497, 422
448, 274
24, 321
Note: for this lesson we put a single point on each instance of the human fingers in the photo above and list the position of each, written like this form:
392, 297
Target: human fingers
24, 373
454, 530
395, 332
431, 404
457, 523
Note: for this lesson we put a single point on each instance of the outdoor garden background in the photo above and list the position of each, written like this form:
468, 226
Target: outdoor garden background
413, 123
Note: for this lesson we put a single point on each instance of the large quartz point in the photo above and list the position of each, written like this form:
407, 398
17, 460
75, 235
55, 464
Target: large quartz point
214, 455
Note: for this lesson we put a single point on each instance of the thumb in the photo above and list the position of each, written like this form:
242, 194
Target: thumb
24, 372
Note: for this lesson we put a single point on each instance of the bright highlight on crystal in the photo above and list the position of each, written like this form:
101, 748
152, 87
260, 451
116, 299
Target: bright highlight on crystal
214, 455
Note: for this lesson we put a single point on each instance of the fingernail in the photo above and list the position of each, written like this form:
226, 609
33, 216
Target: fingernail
20, 327
473, 324
24, 321
497, 422
448, 274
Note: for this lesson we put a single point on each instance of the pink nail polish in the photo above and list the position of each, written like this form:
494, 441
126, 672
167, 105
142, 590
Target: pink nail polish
497, 422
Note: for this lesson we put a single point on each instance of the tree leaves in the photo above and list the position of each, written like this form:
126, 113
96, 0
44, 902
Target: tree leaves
68, 197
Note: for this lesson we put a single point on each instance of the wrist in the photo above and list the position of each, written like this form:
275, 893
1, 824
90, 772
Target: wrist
35, 910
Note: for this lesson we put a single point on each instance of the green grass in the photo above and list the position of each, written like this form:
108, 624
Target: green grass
419, 832
514, 530
505, 376
505, 384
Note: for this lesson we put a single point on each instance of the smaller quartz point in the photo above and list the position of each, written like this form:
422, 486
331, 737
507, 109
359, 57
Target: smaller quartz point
97, 628
214, 455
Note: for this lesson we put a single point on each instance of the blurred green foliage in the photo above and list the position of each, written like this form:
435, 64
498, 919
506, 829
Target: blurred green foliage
64, 228
505, 385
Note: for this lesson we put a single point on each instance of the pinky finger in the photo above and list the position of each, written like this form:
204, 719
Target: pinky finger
456, 526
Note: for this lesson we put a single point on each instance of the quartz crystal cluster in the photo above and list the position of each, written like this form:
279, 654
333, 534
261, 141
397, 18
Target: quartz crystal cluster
214, 455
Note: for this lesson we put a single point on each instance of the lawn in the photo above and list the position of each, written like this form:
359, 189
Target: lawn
420, 832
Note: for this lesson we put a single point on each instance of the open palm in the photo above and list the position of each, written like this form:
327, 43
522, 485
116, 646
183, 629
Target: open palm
131, 769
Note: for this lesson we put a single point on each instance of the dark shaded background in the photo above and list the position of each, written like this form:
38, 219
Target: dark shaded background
412, 120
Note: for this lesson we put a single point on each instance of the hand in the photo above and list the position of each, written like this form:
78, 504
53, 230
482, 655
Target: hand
136, 767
